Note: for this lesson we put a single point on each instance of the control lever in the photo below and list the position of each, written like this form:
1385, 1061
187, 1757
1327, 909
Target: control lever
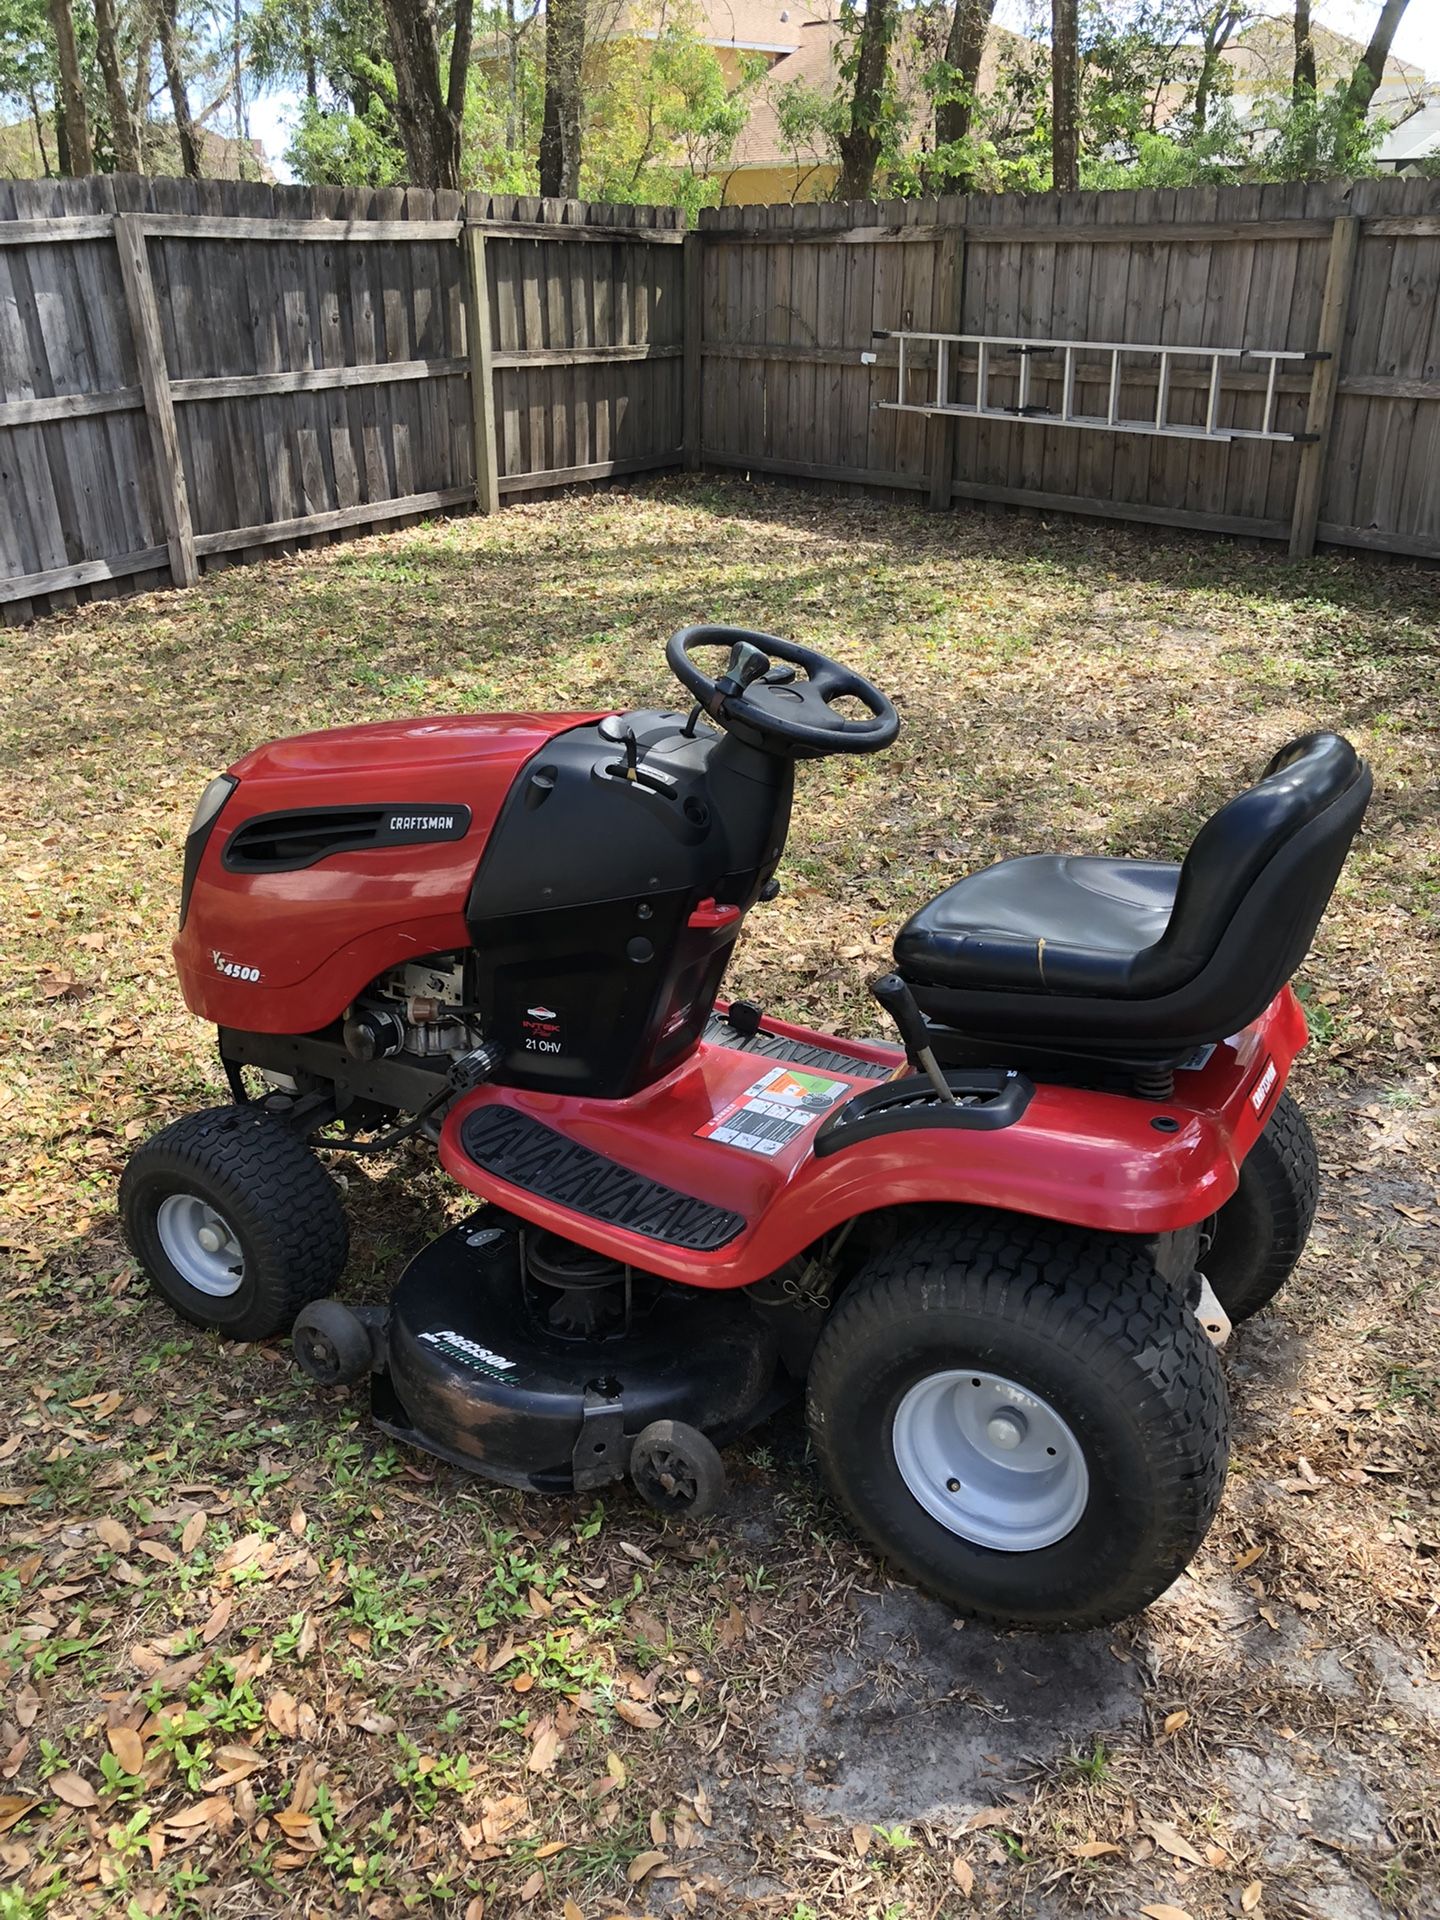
898, 1001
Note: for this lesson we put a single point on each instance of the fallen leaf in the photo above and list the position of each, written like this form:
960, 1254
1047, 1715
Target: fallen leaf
282, 1710
658, 1831
637, 1716
642, 1864
13, 1807
194, 1530
1175, 1721
1162, 1912
1174, 1842
860, 1838
989, 1817
963, 1874
127, 1747
74, 1789
570, 1911
1092, 1849
27, 1705
475, 1909
545, 1750
218, 1621
116, 1537
1250, 1898
1248, 1559
158, 1550
239, 1553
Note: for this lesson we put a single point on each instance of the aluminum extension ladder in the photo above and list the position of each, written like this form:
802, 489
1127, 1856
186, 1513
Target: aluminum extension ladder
990, 346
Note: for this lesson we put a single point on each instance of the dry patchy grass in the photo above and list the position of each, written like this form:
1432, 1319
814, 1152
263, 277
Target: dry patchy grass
254, 1661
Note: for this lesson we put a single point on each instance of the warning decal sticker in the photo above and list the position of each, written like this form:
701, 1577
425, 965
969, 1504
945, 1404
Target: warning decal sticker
774, 1111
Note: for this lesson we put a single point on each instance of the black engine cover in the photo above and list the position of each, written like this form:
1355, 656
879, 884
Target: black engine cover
477, 1379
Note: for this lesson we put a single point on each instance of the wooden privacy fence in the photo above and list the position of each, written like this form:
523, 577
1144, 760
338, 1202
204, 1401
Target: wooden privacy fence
796, 301
191, 373
195, 372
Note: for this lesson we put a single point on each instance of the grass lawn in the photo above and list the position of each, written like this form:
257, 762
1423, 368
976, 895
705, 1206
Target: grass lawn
253, 1661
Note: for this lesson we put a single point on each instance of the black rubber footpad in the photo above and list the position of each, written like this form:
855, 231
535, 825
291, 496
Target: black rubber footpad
775, 1046
528, 1154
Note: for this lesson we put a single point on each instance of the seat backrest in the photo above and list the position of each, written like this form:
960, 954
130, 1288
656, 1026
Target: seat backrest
1261, 871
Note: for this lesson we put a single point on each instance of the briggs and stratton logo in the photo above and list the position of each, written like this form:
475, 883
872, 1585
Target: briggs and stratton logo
233, 969
541, 1029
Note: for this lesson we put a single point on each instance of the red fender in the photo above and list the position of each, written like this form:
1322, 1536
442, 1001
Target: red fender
1094, 1159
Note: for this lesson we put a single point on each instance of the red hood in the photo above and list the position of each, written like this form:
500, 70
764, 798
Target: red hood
466, 742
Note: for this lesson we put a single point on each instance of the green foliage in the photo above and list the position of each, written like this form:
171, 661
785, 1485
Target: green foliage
336, 147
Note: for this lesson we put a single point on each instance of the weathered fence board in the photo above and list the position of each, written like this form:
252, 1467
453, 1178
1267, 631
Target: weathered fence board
790, 305
192, 373
195, 372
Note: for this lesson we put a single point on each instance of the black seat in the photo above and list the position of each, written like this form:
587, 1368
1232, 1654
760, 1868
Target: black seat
1144, 959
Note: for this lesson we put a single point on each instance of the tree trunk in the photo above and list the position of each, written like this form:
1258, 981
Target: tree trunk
1371, 64
1215, 37
179, 99
122, 127
1302, 85
861, 142
560, 125
78, 157
428, 119
1065, 95
964, 51
38, 118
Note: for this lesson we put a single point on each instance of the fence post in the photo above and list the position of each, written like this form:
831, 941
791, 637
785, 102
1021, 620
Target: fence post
149, 343
694, 331
1324, 384
482, 372
950, 279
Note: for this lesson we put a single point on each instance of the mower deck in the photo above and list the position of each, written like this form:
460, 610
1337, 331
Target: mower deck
734, 1187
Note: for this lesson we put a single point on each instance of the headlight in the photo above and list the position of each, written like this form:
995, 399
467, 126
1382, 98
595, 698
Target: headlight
197, 834
211, 801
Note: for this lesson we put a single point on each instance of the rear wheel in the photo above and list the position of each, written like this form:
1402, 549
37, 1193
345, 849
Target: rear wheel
1024, 1418
1260, 1232
234, 1219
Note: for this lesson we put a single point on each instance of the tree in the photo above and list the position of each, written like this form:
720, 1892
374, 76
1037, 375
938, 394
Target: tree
428, 116
560, 122
863, 138
1065, 95
1365, 79
956, 94
1216, 26
74, 120
175, 81
107, 51
1302, 86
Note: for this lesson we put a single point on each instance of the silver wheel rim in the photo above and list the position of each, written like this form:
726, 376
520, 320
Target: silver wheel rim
201, 1245
991, 1461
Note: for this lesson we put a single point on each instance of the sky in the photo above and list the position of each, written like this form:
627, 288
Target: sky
1418, 41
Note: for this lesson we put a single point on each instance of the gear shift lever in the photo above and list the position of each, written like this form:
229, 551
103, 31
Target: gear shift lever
898, 1001
747, 662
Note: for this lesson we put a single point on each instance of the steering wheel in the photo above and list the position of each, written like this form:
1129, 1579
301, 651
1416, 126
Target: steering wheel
768, 707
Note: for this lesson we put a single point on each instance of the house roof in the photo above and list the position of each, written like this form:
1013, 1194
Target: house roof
1262, 58
761, 142
1417, 138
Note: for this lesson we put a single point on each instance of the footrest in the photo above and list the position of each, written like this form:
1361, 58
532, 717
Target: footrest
516, 1148
800, 1053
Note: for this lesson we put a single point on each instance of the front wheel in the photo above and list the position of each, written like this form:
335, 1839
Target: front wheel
1024, 1418
234, 1219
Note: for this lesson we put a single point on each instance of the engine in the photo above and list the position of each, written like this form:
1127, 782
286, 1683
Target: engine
419, 1009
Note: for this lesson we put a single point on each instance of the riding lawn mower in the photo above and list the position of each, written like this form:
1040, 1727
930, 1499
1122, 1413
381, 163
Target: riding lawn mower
995, 1259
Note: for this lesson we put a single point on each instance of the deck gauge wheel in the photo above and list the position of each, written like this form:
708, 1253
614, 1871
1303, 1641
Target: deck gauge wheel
676, 1470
